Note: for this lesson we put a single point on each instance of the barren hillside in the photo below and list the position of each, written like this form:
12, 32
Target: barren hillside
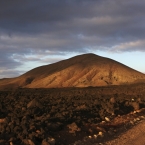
79, 71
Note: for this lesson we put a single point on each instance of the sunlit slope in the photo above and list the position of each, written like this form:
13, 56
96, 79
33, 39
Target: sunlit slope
79, 71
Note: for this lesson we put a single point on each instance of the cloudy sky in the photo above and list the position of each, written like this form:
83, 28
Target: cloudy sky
35, 32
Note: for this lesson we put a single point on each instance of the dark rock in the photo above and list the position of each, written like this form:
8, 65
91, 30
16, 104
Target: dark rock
48, 141
34, 103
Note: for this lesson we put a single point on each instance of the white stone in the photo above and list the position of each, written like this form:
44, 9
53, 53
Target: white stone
90, 136
142, 117
132, 122
103, 121
134, 112
100, 133
95, 135
107, 119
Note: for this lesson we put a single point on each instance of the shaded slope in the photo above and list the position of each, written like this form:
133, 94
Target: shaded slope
79, 71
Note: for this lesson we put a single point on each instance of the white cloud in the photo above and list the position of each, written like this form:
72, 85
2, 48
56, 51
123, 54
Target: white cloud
8, 73
100, 20
130, 46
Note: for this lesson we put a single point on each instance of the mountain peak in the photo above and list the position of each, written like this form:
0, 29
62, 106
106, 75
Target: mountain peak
87, 55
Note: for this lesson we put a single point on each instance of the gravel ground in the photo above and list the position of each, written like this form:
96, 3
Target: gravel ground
134, 136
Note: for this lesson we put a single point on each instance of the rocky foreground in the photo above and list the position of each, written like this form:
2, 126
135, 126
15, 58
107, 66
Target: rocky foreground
69, 116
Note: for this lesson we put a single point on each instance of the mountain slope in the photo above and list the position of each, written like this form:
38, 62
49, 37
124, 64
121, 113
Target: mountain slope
80, 71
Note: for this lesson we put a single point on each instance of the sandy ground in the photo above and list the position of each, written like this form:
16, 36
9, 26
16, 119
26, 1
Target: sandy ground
134, 136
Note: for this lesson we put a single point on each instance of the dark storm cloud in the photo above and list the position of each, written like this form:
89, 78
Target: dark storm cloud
64, 21
32, 27
6, 61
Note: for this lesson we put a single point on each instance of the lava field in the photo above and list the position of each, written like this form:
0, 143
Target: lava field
63, 116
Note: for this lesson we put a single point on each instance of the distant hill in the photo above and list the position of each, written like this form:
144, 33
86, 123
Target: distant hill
79, 71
